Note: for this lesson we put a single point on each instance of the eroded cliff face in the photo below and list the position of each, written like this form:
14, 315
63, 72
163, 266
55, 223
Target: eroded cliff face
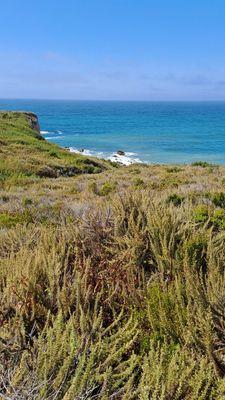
32, 120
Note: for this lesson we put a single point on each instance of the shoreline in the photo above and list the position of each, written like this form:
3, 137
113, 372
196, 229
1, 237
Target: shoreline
124, 159
121, 157
127, 158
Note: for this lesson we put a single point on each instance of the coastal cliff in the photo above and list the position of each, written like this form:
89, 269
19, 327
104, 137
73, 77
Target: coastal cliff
24, 151
32, 120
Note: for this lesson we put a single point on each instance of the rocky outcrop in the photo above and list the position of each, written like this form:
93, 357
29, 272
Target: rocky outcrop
32, 120
121, 153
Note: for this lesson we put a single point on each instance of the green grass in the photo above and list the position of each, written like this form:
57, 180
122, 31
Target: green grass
24, 153
112, 285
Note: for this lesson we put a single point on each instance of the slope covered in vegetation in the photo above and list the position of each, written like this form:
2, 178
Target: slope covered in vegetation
23, 152
112, 285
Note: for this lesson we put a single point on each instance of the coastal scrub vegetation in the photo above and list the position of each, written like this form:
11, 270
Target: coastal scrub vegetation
112, 284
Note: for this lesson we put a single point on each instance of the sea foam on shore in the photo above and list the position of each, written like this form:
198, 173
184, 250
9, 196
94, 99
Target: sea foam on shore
126, 159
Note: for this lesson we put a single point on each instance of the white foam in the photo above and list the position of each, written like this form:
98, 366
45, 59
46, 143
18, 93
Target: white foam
126, 159
45, 132
52, 137
85, 152
131, 154
51, 133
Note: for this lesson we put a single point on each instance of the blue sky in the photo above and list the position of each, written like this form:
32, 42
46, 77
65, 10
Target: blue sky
113, 49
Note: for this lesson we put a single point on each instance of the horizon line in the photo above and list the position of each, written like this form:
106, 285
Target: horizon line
116, 100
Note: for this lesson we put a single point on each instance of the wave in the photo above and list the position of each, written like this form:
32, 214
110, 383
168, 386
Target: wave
87, 152
126, 159
131, 154
52, 137
51, 133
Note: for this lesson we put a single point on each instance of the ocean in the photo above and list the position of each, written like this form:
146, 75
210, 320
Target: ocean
151, 132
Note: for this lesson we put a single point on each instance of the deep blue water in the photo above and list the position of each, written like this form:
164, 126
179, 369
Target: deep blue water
158, 132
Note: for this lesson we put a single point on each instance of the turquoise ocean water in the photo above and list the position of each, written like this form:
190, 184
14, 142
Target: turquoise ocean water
153, 132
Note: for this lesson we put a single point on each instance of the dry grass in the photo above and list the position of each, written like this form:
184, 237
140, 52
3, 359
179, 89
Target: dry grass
112, 285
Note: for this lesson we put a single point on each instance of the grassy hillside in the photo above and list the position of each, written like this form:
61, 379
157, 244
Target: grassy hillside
112, 284
25, 153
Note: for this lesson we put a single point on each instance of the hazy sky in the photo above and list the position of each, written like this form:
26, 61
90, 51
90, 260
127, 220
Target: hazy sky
113, 49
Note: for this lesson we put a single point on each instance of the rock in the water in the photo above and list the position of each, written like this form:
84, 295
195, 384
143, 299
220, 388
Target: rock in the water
121, 153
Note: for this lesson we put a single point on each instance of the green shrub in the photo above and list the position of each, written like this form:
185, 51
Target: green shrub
197, 252
54, 154
173, 169
135, 171
10, 220
5, 198
171, 181
74, 190
4, 175
176, 199
27, 201
106, 188
218, 199
91, 169
113, 163
138, 183
202, 164
201, 213
218, 219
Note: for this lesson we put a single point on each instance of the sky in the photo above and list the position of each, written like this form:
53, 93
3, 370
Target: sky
112, 49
